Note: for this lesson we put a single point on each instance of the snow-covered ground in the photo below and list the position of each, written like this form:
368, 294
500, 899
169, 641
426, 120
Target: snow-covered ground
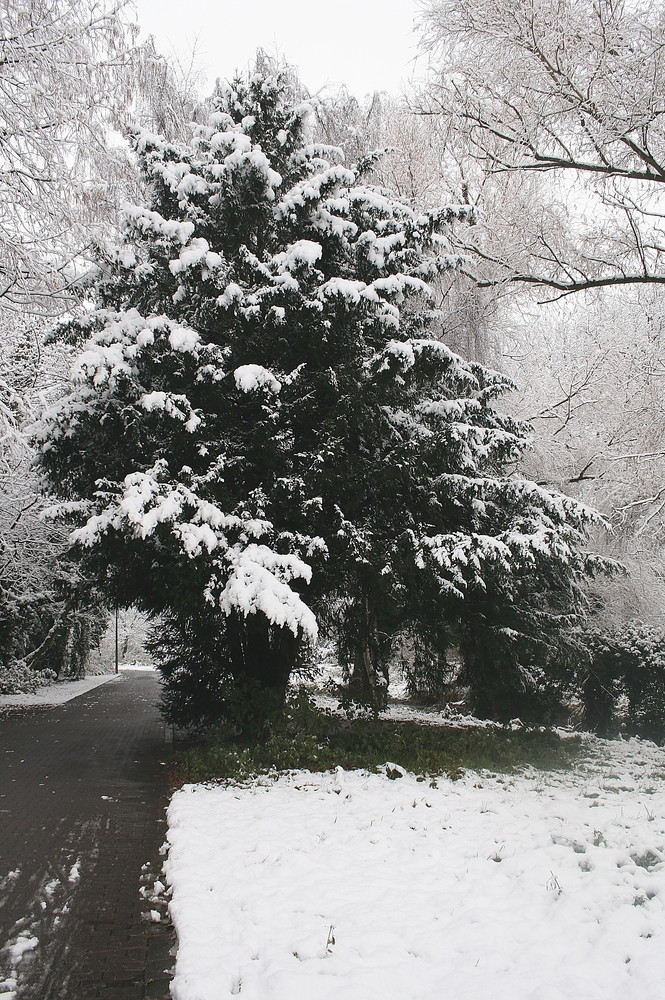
403, 711
537, 886
63, 691
56, 694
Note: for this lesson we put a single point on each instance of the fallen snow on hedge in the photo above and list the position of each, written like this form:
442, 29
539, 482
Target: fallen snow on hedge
540, 886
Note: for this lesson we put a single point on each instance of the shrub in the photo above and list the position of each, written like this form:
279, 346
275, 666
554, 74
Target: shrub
319, 741
19, 679
623, 686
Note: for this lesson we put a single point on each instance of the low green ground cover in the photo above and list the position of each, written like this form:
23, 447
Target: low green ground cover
318, 740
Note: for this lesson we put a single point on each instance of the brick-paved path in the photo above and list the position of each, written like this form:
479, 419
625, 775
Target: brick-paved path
82, 794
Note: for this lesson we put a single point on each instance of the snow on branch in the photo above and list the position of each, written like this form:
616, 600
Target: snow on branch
146, 221
175, 405
248, 378
257, 582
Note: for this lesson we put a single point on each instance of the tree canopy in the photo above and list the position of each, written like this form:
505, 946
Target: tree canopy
265, 433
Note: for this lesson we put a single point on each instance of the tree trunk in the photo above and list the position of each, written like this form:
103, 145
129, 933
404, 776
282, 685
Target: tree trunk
599, 702
368, 683
262, 659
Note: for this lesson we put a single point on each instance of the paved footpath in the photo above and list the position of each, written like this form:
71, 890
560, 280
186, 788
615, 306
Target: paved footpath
83, 788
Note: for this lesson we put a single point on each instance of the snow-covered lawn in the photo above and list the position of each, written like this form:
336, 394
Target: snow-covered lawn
355, 886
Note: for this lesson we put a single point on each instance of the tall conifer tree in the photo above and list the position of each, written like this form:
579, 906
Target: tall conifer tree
263, 425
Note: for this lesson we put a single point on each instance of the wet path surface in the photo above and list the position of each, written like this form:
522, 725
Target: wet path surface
83, 788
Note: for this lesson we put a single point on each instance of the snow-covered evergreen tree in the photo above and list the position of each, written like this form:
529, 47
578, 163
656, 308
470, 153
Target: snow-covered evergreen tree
261, 427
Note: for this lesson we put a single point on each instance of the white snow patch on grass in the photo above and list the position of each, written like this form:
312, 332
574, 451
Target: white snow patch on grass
397, 711
537, 886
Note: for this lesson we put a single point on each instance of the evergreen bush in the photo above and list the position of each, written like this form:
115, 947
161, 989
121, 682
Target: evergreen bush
623, 685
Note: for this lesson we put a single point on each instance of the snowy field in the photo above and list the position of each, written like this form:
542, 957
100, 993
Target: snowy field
355, 886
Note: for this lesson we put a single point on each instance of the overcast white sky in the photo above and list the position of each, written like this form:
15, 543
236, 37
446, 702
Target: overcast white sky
367, 44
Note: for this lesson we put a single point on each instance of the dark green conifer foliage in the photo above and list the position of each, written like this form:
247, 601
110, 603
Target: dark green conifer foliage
264, 432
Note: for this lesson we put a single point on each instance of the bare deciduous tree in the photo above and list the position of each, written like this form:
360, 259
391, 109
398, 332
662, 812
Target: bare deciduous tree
61, 82
569, 89
72, 78
592, 384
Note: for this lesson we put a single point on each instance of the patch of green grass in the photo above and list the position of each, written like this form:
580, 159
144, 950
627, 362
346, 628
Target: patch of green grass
316, 740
